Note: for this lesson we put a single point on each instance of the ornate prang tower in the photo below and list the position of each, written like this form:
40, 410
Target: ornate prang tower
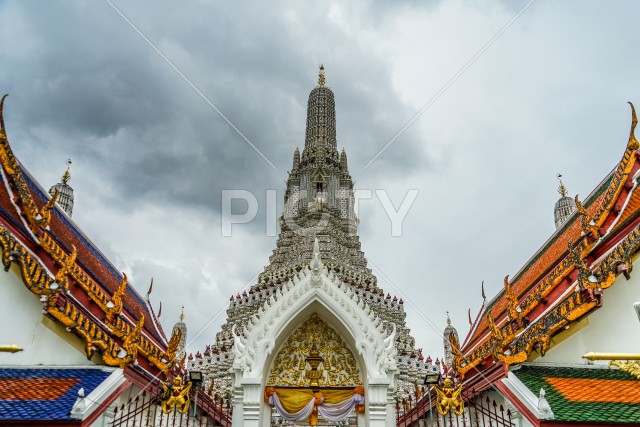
319, 204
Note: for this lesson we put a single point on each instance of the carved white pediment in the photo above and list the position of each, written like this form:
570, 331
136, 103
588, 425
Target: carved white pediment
376, 346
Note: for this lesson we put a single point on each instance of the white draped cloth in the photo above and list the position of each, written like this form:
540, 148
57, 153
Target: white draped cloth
338, 411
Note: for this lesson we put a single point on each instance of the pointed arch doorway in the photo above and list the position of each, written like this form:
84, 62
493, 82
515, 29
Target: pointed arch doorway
315, 379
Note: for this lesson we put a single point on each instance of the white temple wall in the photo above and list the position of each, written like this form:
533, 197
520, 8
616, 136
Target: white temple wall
613, 328
45, 342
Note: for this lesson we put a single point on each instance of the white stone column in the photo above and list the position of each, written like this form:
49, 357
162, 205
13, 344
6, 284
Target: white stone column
377, 403
237, 420
252, 398
391, 406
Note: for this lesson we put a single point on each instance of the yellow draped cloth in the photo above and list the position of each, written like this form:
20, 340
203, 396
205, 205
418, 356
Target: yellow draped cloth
295, 399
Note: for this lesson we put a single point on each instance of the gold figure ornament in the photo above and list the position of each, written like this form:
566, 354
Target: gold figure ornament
176, 396
449, 398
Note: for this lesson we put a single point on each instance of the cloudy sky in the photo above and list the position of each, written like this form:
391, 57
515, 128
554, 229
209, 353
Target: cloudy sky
509, 103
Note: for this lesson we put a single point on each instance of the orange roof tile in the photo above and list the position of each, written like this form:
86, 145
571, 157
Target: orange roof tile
35, 388
597, 390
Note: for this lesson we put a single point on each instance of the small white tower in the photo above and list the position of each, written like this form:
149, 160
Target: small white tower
182, 327
448, 354
565, 206
65, 192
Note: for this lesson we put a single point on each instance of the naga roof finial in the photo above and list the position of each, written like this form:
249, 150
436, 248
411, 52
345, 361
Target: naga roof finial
321, 79
561, 188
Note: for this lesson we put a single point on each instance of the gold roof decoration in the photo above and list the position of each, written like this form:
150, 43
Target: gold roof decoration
314, 355
1, 113
633, 142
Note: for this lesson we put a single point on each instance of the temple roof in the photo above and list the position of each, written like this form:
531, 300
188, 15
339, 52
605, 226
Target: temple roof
585, 394
93, 261
593, 246
96, 301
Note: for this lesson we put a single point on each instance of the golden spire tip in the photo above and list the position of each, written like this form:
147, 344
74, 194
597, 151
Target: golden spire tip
561, 188
321, 79
67, 175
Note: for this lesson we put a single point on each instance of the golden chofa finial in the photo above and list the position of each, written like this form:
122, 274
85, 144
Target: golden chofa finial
561, 188
1, 113
633, 142
67, 175
321, 80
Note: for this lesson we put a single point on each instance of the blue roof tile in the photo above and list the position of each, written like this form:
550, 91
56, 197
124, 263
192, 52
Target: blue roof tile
43, 394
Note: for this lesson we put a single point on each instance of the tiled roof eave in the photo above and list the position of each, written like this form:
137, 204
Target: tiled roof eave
67, 310
614, 187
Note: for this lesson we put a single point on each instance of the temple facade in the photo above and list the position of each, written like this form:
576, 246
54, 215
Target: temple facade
315, 340
315, 322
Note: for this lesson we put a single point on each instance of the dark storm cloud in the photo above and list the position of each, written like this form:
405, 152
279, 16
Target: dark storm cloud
91, 77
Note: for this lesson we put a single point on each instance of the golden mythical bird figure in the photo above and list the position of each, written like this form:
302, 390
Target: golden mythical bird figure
178, 396
449, 398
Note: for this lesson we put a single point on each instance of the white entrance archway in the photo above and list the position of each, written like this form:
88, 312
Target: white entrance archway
314, 290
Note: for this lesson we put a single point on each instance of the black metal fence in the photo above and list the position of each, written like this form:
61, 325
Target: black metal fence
478, 412
145, 410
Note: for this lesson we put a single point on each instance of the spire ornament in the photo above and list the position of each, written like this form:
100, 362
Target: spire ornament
321, 79
67, 175
561, 188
